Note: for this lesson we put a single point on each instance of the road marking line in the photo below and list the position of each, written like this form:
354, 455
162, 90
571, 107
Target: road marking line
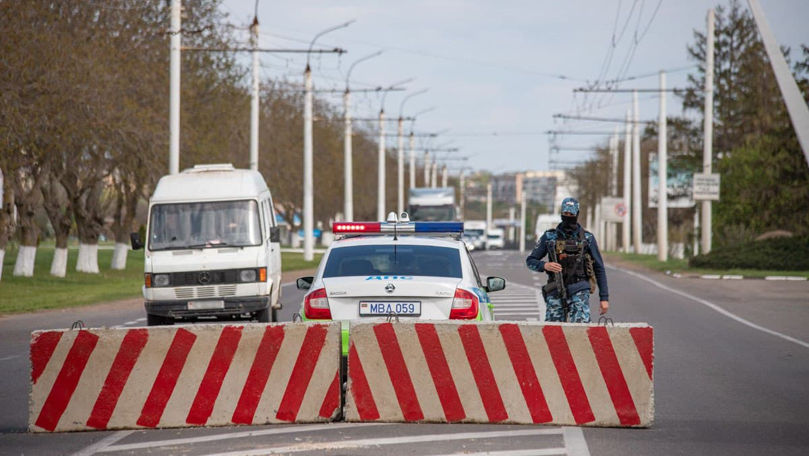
346, 444
534, 452
717, 309
102, 444
234, 435
141, 319
10, 357
574, 441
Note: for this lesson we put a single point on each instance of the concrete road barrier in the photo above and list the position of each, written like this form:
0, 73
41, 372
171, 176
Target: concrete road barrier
564, 374
178, 376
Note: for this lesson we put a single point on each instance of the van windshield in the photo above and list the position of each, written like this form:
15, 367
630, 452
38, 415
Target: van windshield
204, 225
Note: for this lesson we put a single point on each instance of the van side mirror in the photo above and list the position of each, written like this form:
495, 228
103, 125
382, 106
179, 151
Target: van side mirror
495, 283
134, 239
275, 234
304, 283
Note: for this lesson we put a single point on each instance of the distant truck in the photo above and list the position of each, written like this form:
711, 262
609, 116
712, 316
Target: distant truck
432, 204
212, 247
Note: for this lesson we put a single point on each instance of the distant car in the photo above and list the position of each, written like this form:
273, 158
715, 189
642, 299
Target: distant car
423, 271
495, 238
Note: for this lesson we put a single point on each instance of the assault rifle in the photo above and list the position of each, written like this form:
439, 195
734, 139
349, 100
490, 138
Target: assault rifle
558, 281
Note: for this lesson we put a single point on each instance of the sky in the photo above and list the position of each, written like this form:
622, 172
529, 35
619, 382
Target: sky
496, 72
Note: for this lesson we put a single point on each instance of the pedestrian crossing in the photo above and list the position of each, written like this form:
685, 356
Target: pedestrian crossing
518, 302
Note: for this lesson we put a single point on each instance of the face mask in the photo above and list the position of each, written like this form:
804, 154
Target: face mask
569, 223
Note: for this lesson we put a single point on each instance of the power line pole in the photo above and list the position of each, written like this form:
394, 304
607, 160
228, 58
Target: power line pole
348, 160
522, 222
400, 152
488, 209
174, 89
427, 167
412, 154
627, 181
255, 98
308, 187
434, 174
707, 150
462, 199
637, 203
444, 176
662, 177
380, 188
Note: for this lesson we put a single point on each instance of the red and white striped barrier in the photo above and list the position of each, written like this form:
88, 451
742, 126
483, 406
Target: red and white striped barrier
566, 374
184, 376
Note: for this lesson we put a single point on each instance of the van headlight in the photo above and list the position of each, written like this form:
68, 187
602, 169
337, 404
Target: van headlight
160, 280
247, 275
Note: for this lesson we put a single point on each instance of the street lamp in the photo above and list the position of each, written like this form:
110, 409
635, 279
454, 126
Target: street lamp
400, 152
348, 194
308, 191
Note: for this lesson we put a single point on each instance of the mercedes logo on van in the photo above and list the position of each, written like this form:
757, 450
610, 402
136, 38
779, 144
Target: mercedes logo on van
390, 288
204, 278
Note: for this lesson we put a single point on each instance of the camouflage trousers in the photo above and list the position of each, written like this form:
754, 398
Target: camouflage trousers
578, 310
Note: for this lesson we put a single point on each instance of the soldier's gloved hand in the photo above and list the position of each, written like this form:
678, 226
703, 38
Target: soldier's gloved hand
553, 267
605, 306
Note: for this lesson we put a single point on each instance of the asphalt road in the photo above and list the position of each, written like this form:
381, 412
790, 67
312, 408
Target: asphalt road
731, 378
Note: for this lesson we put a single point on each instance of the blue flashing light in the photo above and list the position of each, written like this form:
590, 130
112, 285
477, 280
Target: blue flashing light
439, 227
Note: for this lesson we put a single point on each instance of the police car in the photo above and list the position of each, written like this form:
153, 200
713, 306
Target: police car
397, 270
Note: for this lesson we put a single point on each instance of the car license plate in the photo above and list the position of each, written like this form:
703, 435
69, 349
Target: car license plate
381, 308
205, 305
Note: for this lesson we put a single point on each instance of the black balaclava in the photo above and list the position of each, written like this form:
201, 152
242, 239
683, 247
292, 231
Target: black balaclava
569, 223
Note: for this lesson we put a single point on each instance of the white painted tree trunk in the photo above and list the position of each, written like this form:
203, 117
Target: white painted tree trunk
25, 261
2, 255
119, 256
59, 263
88, 258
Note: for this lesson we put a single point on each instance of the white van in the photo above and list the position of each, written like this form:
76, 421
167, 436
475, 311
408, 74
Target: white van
212, 247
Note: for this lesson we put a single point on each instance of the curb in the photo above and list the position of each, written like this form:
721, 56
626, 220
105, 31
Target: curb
677, 275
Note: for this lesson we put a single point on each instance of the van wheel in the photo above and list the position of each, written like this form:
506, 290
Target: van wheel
274, 315
263, 315
157, 320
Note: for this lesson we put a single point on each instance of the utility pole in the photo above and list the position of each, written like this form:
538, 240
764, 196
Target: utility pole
255, 98
400, 151
412, 154
348, 160
522, 222
380, 188
636, 203
174, 88
434, 174
488, 208
308, 190
612, 228
308, 187
511, 212
707, 150
662, 173
462, 186
427, 168
627, 182
444, 176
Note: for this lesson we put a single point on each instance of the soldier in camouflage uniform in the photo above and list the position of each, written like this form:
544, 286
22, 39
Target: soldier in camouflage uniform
573, 255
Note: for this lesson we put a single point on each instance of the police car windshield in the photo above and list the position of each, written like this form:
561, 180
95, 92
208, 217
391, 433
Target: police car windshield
204, 225
408, 260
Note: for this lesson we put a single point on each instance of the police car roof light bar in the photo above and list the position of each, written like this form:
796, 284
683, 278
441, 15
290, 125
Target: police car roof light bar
395, 228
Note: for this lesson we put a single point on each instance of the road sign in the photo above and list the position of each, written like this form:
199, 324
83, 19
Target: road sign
706, 187
613, 209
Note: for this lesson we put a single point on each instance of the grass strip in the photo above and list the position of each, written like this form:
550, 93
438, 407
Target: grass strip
43, 291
